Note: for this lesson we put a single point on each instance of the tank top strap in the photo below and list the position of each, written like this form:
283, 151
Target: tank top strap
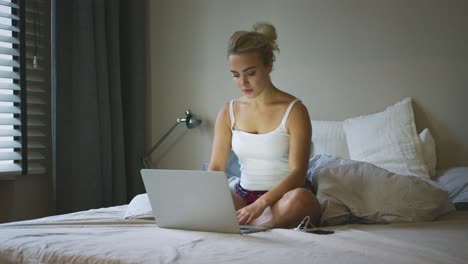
285, 117
231, 114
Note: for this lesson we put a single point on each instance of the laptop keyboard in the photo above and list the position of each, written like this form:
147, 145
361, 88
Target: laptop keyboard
246, 229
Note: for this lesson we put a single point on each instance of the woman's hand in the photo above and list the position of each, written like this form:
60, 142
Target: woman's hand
247, 214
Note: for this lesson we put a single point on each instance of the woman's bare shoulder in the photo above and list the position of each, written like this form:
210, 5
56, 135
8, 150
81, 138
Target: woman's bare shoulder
298, 117
224, 111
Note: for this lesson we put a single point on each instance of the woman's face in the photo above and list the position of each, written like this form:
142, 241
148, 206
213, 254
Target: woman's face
249, 73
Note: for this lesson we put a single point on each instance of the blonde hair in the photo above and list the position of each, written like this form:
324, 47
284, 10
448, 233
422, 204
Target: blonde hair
262, 40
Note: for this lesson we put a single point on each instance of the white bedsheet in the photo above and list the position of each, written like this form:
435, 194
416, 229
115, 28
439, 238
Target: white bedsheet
103, 236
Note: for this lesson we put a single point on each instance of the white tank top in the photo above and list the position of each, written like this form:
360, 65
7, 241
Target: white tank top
263, 158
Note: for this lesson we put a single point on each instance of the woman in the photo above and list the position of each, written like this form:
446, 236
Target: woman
270, 132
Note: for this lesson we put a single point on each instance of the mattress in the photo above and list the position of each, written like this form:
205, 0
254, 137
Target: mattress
104, 236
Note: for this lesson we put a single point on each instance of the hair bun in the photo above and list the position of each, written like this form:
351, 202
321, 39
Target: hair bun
262, 40
266, 29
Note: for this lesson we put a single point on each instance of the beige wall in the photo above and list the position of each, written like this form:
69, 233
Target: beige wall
26, 197
342, 58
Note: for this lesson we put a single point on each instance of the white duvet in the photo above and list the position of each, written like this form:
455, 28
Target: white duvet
103, 236
359, 192
349, 191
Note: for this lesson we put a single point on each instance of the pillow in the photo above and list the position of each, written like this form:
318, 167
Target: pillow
387, 139
455, 181
139, 208
429, 151
232, 166
328, 137
351, 191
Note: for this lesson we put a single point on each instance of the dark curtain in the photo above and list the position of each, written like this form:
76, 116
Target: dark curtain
99, 86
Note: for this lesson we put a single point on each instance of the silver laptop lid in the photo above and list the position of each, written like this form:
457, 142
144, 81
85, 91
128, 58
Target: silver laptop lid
191, 200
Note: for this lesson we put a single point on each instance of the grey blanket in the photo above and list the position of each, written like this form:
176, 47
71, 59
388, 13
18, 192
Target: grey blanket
359, 192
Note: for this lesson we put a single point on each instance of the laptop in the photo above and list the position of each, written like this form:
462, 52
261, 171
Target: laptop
193, 200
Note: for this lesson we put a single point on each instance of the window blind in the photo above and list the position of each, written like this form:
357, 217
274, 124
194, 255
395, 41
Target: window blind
11, 125
38, 86
24, 87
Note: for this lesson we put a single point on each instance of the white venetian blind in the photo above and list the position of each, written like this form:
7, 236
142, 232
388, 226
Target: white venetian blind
10, 89
25, 87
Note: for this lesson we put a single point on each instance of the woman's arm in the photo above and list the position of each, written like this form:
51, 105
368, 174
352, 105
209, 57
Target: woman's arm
221, 141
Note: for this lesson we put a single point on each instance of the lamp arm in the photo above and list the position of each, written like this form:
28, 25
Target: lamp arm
148, 154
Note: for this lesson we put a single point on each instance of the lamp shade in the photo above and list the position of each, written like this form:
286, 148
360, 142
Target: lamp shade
191, 120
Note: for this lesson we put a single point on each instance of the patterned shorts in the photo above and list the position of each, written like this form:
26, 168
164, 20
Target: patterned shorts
251, 196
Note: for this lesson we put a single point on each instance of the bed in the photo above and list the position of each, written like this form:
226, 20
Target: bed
389, 212
104, 236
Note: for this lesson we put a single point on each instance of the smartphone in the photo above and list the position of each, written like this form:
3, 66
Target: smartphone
320, 231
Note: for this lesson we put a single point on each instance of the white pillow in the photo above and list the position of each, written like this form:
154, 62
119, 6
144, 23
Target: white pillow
429, 151
328, 137
139, 207
387, 139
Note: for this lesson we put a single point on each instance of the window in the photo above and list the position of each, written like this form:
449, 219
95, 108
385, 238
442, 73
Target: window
38, 86
10, 89
24, 87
